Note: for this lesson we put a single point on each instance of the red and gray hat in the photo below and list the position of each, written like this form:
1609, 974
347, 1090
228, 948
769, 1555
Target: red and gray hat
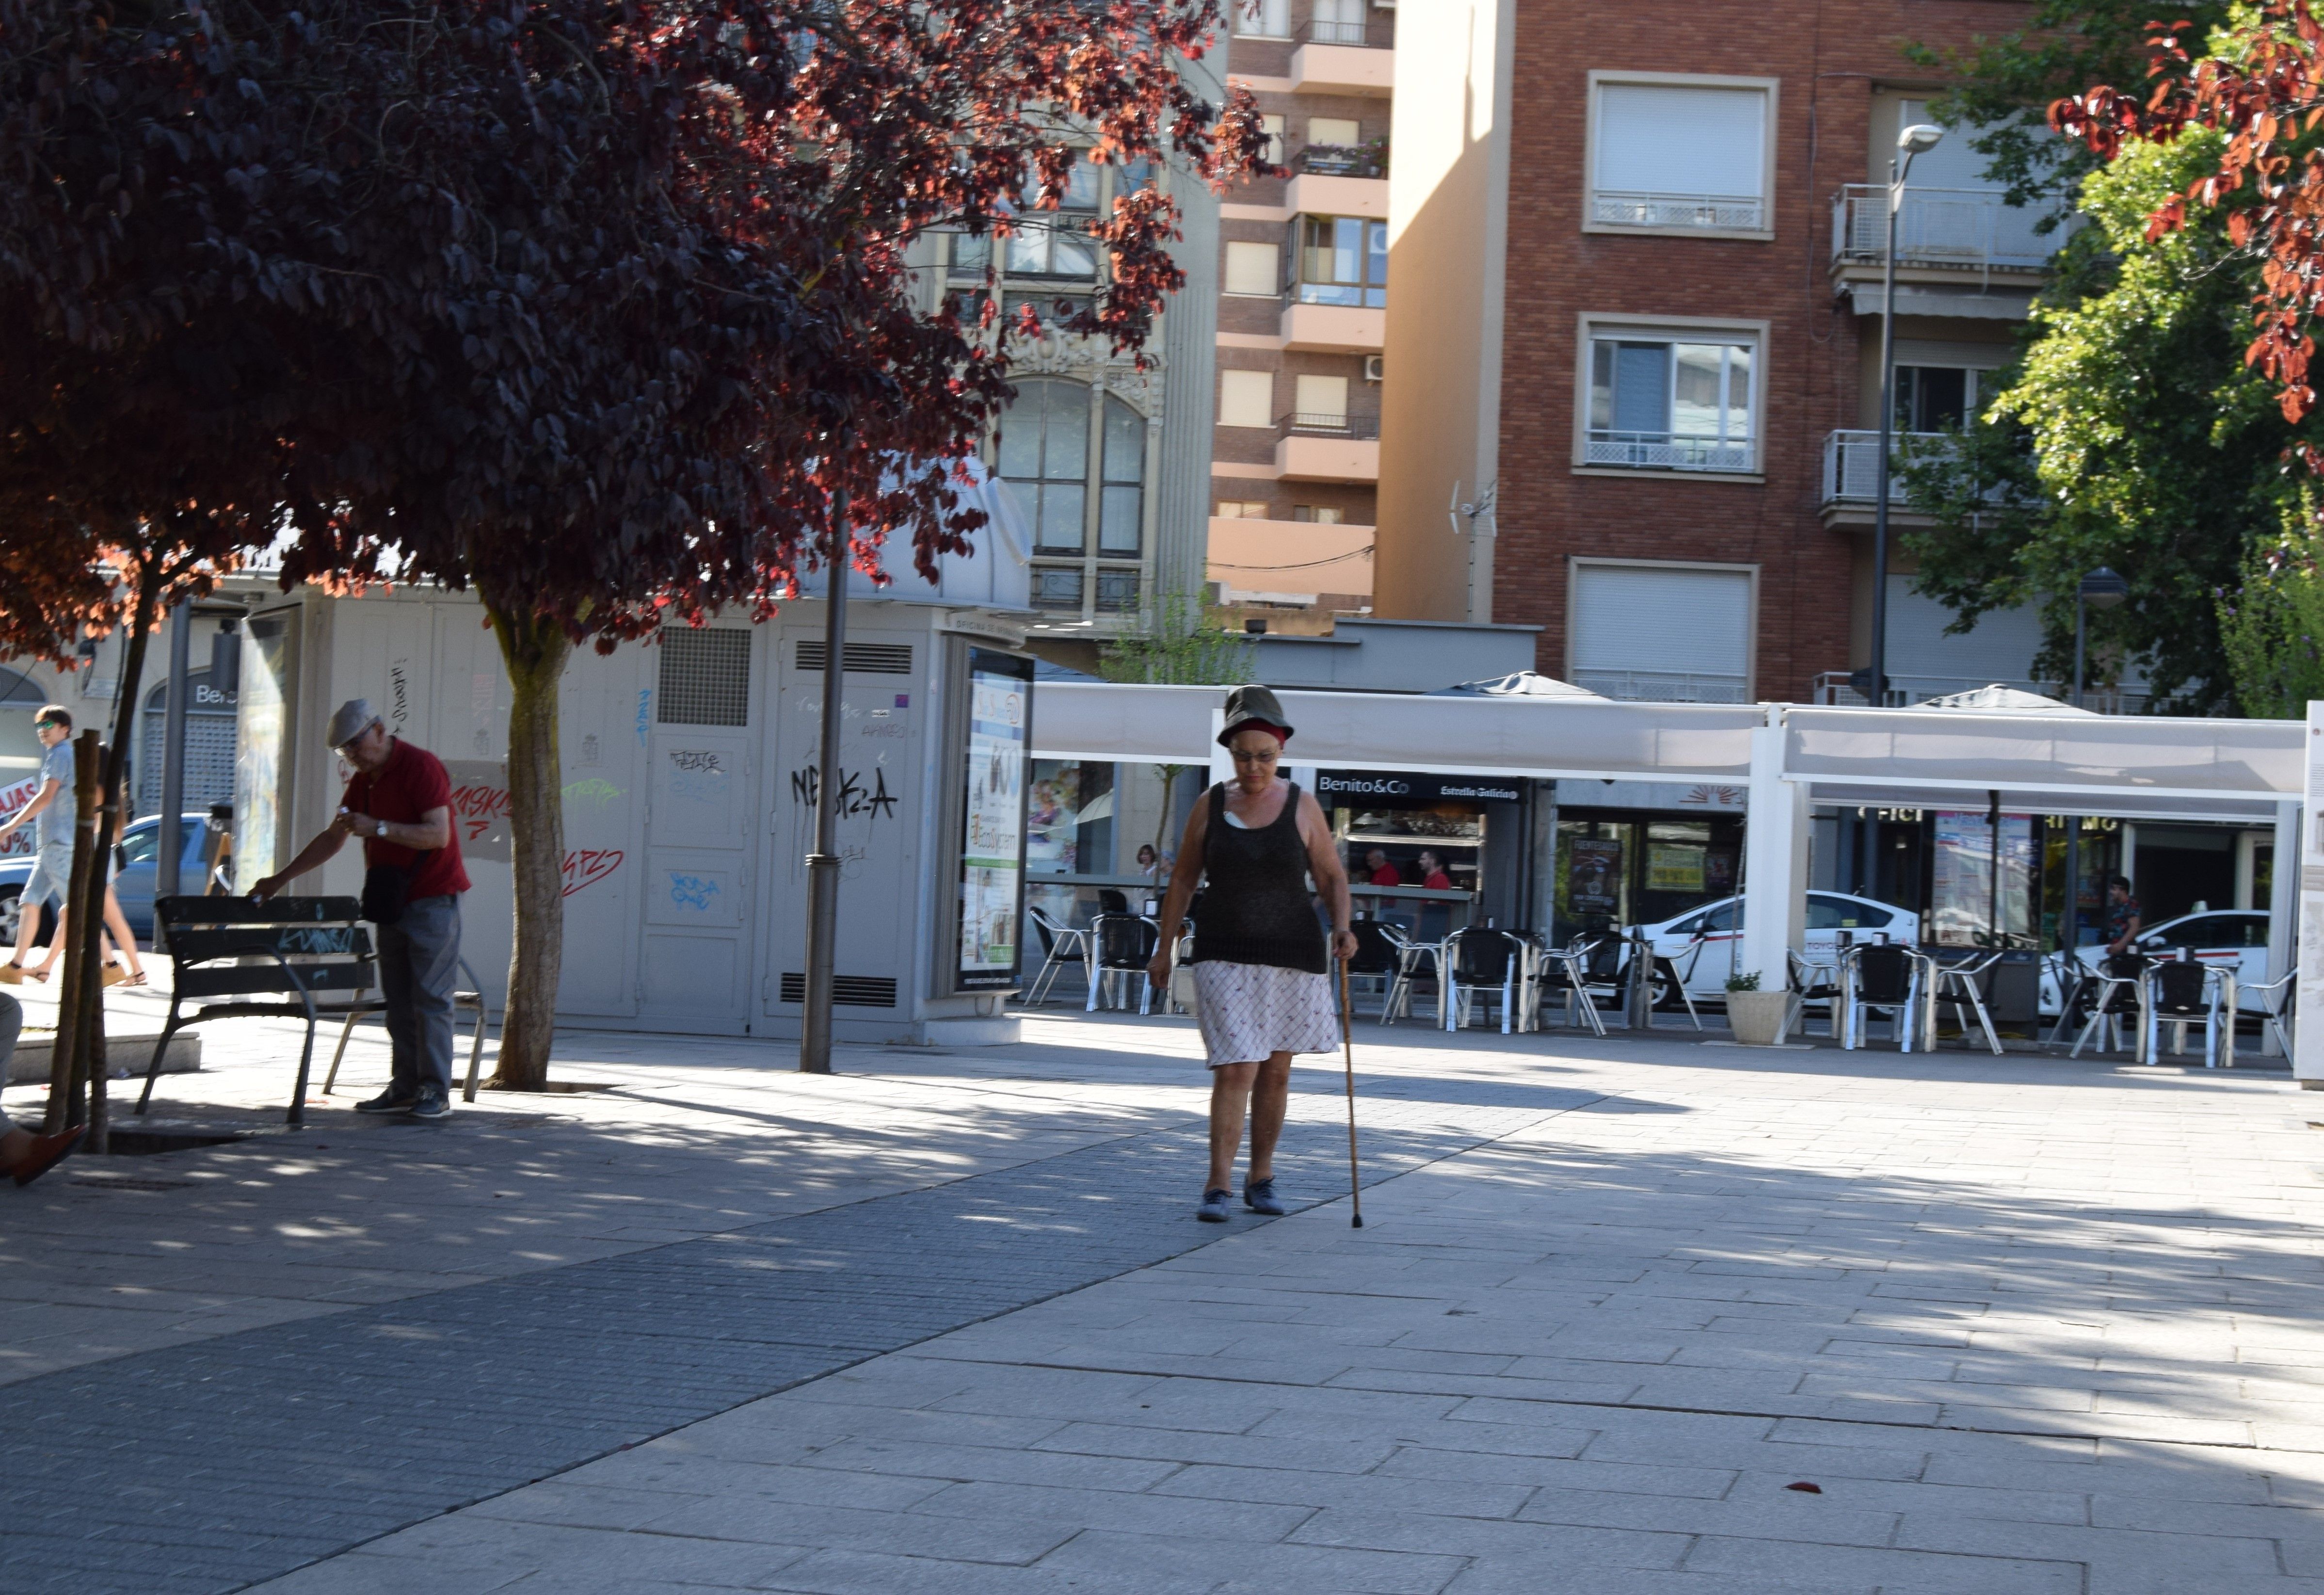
1254, 708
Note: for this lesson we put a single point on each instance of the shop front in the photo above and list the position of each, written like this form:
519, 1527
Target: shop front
1430, 853
1638, 853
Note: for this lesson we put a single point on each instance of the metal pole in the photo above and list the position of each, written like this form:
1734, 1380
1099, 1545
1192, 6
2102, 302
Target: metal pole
2069, 918
1879, 676
166, 882
822, 863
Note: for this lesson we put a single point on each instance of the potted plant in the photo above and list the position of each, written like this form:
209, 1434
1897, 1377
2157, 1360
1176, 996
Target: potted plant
1757, 1018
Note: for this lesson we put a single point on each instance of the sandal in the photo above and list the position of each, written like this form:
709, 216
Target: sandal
136, 978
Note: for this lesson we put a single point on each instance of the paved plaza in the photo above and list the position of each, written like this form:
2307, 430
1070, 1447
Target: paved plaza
1628, 1316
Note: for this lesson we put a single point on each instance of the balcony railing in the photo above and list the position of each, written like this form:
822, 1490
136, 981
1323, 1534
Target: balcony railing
1969, 228
1341, 160
1308, 424
1665, 451
1665, 686
1722, 213
1852, 466
1367, 35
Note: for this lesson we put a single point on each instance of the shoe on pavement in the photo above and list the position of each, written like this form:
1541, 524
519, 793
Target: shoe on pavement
1259, 1196
390, 1102
432, 1104
1213, 1210
47, 1151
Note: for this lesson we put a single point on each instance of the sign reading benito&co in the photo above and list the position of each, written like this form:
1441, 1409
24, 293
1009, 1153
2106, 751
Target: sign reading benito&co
1403, 788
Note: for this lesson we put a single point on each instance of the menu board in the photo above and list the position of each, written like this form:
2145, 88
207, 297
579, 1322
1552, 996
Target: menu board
992, 821
1593, 876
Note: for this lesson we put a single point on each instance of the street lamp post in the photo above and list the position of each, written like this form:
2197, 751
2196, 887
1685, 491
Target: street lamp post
1874, 680
2100, 589
822, 863
1918, 139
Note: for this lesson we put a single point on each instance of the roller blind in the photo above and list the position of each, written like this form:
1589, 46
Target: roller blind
1670, 633
1659, 138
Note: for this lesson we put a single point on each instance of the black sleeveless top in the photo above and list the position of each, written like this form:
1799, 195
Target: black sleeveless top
1256, 906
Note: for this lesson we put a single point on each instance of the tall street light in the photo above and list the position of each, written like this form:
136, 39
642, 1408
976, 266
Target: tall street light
1916, 140
2100, 589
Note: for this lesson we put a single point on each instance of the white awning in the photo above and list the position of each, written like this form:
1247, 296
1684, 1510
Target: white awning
2047, 763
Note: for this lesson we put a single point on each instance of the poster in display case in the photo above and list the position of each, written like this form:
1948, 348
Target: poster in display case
993, 819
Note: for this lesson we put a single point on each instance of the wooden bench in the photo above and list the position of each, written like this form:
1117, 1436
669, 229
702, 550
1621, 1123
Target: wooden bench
290, 948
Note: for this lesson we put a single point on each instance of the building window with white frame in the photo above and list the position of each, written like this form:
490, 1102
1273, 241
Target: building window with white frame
1662, 633
1672, 401
1261, 19
1676, 156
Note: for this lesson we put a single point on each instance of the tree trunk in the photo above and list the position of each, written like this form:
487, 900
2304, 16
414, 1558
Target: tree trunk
534, 651
112, 808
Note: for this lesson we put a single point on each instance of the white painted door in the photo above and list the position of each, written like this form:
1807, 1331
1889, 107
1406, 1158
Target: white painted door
701, 845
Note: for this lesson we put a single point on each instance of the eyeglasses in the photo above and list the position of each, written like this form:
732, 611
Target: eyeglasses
1255, 755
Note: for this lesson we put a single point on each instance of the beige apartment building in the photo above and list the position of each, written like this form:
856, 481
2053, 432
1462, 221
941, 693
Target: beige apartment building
1303, 311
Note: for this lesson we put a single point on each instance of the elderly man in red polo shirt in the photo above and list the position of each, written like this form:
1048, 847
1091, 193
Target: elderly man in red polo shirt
400, 802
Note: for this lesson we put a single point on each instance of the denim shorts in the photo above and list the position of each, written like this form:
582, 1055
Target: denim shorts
51, 874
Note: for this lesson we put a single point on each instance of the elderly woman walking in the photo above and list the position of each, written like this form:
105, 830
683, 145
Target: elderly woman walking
1262, 992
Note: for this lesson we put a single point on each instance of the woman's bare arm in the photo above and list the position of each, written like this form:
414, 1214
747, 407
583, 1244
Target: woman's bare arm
1330, 877
1185, 874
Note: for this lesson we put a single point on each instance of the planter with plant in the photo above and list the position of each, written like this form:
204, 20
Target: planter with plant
1757, 1018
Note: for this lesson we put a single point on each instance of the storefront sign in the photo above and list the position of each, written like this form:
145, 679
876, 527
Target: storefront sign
1674, 867
1676, 797
992, 823
1399, 788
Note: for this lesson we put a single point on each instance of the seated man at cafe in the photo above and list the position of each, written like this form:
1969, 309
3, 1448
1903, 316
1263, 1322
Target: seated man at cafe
1431, 872
1379, 872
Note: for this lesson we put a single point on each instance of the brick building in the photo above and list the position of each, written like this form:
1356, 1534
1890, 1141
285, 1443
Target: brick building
1633, 405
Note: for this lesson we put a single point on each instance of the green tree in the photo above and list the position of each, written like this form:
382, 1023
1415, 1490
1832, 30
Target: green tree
2127, 432
2273, 627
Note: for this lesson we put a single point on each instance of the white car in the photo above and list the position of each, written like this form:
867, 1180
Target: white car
1701, 943
2229, 938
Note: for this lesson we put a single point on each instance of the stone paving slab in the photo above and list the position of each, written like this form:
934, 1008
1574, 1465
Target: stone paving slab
2025, 1327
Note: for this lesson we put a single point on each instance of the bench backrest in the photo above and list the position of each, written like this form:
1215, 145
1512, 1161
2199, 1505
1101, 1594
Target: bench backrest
232, 945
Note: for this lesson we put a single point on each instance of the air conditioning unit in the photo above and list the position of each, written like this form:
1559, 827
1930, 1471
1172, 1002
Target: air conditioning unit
1375, 367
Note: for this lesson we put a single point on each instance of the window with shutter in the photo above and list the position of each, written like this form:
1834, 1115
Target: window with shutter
1674, 403
1255, 269
1665, 633
1246, 399
1679, 156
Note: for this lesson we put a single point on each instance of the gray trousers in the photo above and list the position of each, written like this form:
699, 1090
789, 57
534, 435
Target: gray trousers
11, 1025
419, 966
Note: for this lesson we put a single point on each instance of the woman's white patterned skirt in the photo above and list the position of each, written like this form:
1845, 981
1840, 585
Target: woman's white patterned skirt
1248, 1011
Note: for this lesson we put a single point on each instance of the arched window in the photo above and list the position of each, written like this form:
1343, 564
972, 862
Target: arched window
1122, 509
1045, 457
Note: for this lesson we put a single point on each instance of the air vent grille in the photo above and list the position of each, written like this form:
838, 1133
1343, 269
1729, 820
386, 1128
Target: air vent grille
705, 677
851, 990
862, 658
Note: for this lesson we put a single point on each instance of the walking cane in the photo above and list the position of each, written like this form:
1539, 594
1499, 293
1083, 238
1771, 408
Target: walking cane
1348, 1046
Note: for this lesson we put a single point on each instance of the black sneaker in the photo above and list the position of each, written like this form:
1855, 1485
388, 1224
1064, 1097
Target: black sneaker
389, 1102
1259, 1196
1213, 1210
432, 1104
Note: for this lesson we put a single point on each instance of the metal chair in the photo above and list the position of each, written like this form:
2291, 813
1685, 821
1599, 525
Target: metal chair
2073, 978
2275, 1007
1810, 982
1062, 945
1414, 959
2180, 993
1380, 957
2118, 988
1124, 945
1881, 975
1957, 984
1479, 960
1564, 969
1602, 956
